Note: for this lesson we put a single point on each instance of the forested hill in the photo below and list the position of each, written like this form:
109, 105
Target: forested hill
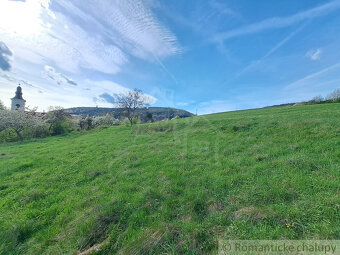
158, 113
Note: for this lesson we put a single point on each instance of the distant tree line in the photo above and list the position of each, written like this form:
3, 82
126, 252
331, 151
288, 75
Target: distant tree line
333, 97
17, 125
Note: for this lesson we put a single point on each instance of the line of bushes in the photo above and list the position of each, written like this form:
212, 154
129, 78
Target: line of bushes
19, 126
333, 97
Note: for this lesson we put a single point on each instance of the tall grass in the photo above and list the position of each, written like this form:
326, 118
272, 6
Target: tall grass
175, 187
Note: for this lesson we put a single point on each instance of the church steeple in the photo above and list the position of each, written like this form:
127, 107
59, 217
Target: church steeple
18, 102
18, 93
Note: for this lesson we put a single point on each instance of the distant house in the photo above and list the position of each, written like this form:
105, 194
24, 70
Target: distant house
18, 102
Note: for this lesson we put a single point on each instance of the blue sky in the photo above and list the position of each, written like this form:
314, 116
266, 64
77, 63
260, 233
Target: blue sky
209, 55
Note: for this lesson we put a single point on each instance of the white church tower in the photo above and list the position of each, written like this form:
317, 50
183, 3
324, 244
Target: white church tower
18, 103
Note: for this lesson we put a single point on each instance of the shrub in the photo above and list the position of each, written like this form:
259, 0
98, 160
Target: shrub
60, 122
60, 127
8, 135
86, 123
125, 122
41, 131
106, 120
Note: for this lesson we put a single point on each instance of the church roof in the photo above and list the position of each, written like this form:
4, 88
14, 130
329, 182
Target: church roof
18, 93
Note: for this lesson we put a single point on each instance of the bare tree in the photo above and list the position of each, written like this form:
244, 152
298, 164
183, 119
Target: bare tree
17, 121
131, 101
334, 96
317, 99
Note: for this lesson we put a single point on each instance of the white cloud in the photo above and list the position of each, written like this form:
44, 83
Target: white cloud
87, 93
98, 88
278, 22
78, 39
100, 38
182, 103
48, 41
314, 54
21, 17
215, 106
61, 79
186, 103
130, 24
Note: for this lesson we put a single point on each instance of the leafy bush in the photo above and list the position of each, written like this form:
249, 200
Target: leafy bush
125, 122
60, 122
60, 127
86, 123
106, 120
8, 135
38, 131
41, 131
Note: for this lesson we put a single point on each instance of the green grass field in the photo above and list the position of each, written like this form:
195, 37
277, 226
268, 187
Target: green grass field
175, 187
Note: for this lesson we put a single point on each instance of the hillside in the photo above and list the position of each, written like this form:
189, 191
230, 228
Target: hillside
158, 113
175, 187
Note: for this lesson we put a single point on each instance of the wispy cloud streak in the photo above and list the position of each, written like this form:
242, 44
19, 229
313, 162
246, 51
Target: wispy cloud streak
309, 78
271, 51
278, 22
314, 54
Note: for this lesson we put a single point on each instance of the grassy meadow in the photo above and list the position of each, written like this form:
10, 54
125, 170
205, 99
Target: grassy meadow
175, 187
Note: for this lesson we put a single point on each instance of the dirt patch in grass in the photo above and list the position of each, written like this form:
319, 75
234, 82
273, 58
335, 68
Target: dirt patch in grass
251, 212
215, 206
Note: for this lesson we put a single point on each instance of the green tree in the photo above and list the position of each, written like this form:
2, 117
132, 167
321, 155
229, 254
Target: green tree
57, 118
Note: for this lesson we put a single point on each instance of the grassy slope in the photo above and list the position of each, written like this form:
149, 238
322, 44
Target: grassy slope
175, 187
